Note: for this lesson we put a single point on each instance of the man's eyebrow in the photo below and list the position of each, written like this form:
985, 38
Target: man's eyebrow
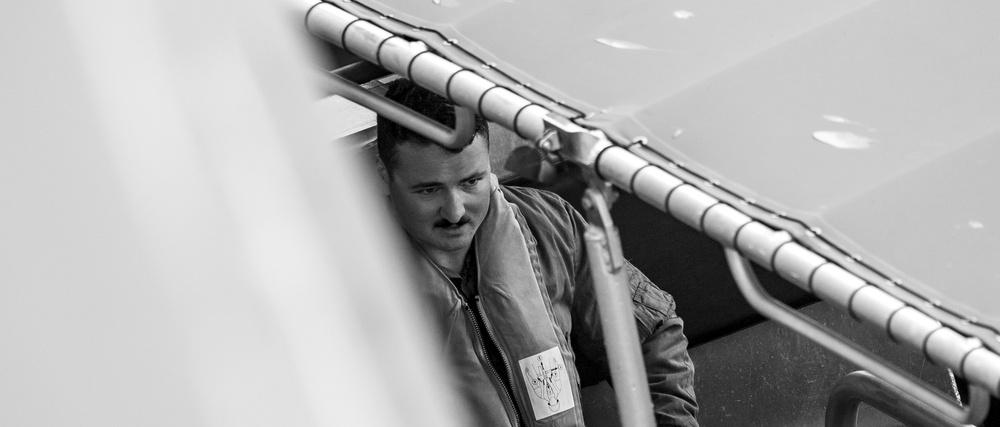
430, 184
474, 175
421, 185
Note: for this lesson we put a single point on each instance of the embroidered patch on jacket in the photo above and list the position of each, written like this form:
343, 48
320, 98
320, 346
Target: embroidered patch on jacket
548, 383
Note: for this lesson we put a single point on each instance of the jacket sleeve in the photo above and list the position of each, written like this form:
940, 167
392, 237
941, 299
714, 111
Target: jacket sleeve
661, 333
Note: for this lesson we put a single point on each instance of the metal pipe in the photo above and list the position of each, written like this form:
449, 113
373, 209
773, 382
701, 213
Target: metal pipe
360, 72
465, 119
860, 387
614, 302
752, 291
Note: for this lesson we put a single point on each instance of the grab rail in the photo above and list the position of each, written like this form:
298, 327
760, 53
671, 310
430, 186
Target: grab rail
465, 118
773, 309
360, 72
860, 387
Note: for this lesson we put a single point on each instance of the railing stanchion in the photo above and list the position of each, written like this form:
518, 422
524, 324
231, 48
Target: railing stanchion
614, 301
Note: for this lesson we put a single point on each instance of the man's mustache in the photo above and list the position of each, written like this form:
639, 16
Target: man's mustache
443, 223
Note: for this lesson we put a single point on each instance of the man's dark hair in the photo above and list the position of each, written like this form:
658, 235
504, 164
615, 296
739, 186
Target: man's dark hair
423, 101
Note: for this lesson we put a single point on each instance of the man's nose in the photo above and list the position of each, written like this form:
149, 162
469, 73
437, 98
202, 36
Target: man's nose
454, 206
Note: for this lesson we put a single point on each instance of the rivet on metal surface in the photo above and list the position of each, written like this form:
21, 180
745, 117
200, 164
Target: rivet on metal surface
640, 140
714, 182
681, 164
450, 42
672, 165
816, 230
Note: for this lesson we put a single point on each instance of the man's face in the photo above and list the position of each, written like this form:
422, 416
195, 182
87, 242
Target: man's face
440, 197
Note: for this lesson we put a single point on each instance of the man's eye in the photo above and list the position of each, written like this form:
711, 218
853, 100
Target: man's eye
473, 182
429, 190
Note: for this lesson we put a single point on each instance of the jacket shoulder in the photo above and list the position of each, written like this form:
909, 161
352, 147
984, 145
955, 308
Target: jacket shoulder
556, 226
538, 205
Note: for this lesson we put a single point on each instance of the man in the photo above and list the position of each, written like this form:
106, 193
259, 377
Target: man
504, 269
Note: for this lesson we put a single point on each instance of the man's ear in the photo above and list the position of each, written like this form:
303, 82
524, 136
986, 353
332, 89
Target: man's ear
383, 175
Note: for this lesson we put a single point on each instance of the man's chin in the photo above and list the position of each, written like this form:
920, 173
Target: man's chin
453, 241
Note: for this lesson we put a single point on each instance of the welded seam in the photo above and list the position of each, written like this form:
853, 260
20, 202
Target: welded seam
479, 104
343, 36
701, 220
850, 301
378, 51
409, 66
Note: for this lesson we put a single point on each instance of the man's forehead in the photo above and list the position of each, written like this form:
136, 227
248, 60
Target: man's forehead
423, 143
411, 149
421, 160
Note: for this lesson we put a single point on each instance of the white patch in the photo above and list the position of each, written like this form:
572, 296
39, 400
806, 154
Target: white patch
843, 140
620, 44
682, 14
548, 383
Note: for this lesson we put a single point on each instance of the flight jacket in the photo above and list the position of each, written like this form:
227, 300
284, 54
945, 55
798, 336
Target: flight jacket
537, 300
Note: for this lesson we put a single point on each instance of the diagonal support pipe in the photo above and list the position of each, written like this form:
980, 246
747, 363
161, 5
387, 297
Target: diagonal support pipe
860, 387
771, 308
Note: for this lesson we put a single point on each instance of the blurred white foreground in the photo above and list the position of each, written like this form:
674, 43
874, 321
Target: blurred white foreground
180, 244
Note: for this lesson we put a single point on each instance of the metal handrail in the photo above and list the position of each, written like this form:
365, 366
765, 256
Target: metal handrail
860, 387
360, 72
773, 309
614, 302
465, 118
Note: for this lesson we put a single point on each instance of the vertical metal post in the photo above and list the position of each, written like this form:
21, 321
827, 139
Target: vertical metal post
614, 302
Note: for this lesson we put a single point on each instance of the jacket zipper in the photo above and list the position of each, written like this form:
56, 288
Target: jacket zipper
512, 408
503, 357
